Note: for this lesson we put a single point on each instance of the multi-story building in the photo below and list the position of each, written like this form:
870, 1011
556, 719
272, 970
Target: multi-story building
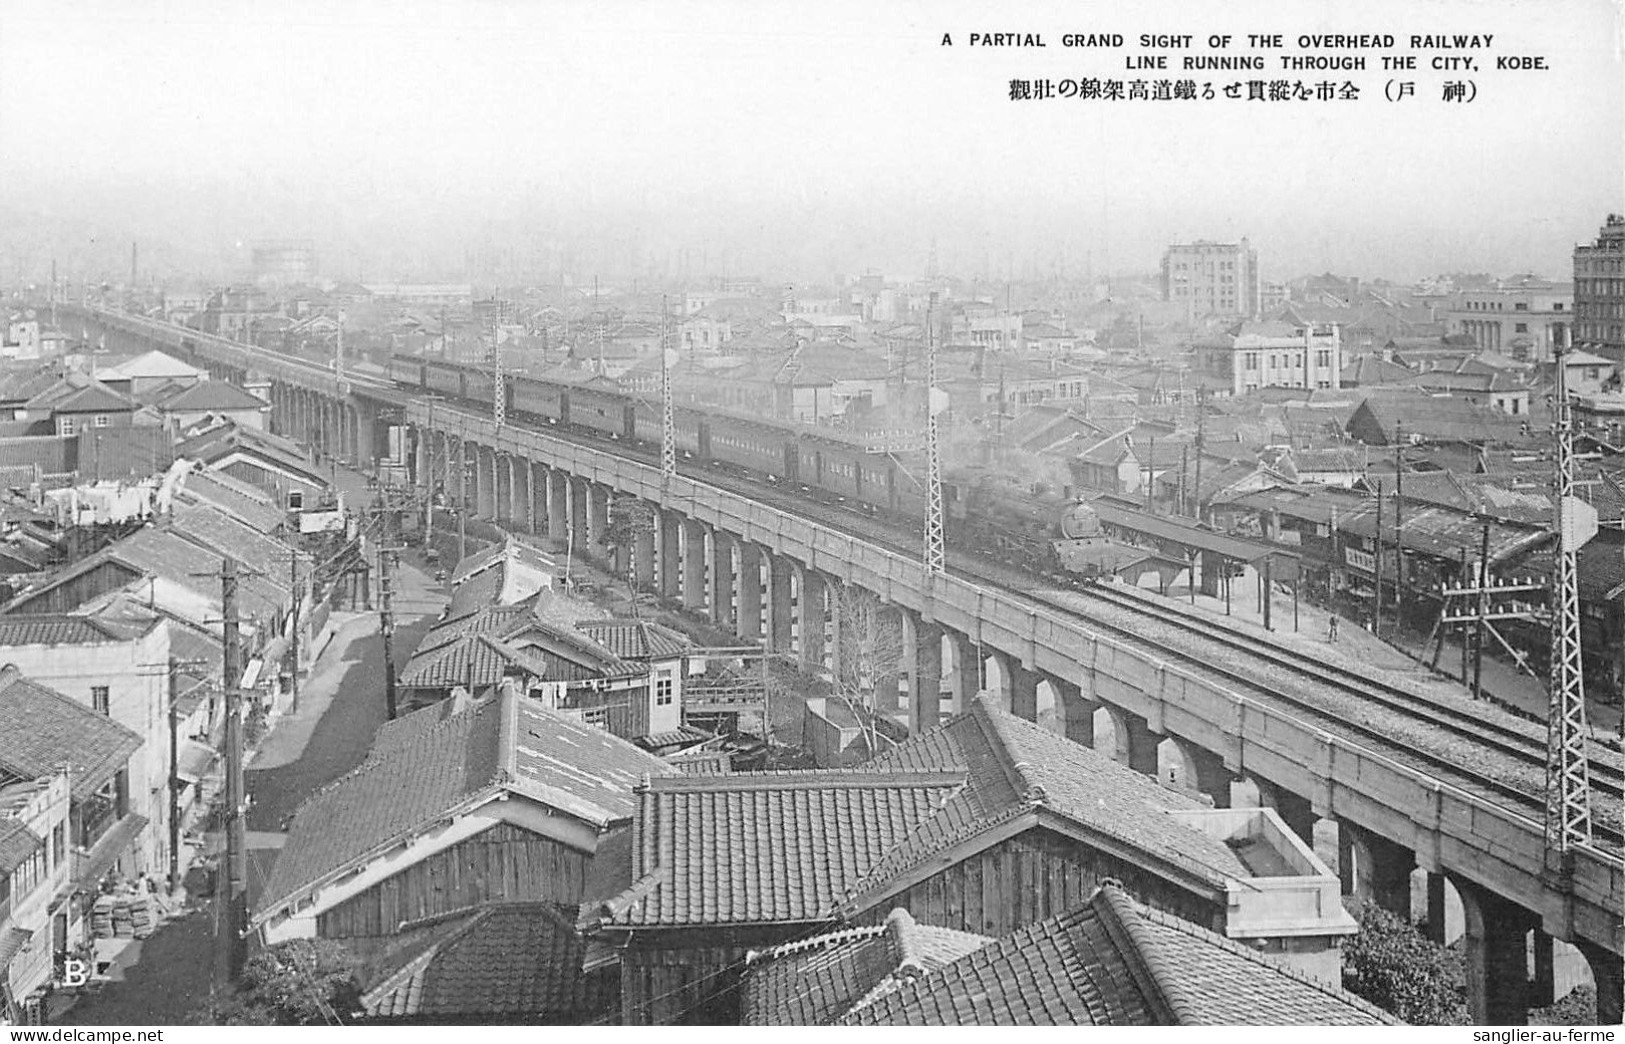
1274, 355
284, 262
1521, 319
1212, 278
117, 667
1599, 292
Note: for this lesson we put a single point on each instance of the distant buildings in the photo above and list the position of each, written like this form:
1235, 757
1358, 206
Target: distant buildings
1521, 320
1250, 356
1212, 278
1599, 292
284, 262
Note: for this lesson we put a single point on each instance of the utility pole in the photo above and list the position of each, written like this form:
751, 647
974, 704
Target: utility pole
293, 625
1376, 600
462, 498
174, 778
1568, 790
1201, 440
386, 622
499, 390
1483, 613
1399, 519
234, 899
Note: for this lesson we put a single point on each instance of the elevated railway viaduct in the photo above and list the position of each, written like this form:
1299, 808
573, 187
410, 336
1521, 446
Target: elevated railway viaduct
768, 574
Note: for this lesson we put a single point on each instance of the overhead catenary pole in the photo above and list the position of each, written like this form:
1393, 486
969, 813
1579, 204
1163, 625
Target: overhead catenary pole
1568, 788
935, 551
1376, 572
1483, 613
668, 427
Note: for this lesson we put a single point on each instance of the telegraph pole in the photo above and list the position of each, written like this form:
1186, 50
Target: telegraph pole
1201, 440
1376, 600
293, 628
1399, 519
234, 898
174, 778
386, 622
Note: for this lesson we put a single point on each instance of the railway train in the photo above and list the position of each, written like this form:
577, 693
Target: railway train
1031, 527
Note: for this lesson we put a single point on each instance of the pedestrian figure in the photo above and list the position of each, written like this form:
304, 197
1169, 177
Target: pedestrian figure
1331, 629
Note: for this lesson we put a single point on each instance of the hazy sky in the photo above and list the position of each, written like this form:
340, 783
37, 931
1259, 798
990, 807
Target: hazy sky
785, 138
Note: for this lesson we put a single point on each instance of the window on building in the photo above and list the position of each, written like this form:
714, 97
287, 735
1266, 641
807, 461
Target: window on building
101, 420
1252, 361
663, 692
598, 717
100, 699
66, 426
1558, 307
59, 844
1520, 306
296, 500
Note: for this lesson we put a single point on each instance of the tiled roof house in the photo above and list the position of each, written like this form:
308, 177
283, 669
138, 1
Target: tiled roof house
955, 826
1108, 961
502, 800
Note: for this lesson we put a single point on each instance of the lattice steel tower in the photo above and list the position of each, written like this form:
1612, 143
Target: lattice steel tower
668, 429
499, 391
1568, 791
936, 556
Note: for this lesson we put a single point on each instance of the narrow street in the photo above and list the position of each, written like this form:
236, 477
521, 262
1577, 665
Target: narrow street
165, 978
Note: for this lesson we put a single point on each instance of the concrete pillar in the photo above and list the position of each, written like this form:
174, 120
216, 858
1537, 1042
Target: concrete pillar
502, 487
368, 445
924, 705
597, 518
1142, 745
1606, 969
523, 511
888, 693
643, 559
1078, 713
1299, 815
694, 534
1434, 926
779, 603
722, 580
748, 618
576, 493
1543, 986
1023, 691
670, 525
1382, 868
558, 507
1495, 957
814, 619
967, 679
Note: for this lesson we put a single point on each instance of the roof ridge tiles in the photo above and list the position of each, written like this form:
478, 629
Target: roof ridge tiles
1014, 770
810, 779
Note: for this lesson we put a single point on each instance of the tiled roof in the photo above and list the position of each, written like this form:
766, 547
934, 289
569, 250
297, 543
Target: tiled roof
504, 744
767, 847
397, 732
1016, 767
166, 553
212, 395
17, 844
210, 527
817, 981
53, 629
77, 393
149, 365
636, 639
512, 961
475, 662
387, 799
1112, 962
235, 497
41, 730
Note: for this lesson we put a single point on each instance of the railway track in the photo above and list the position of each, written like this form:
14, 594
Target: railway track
1514, 737
1431, 736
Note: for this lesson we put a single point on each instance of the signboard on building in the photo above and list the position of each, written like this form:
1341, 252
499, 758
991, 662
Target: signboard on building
1360, 559
322, 521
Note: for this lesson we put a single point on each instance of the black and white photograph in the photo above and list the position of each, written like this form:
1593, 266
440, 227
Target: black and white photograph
857, 513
